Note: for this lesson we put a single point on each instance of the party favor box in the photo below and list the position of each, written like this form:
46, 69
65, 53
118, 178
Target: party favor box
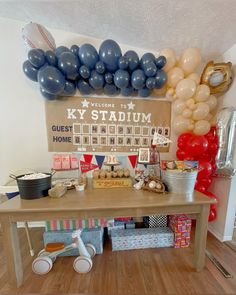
89, 235
141, 238
68, 224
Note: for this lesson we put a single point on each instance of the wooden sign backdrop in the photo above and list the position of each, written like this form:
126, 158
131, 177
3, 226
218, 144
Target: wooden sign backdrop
94, 124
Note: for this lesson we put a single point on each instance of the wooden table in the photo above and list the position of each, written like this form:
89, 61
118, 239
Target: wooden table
90, 203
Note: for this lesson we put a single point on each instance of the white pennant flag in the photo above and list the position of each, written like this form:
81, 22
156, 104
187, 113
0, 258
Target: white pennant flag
160, 139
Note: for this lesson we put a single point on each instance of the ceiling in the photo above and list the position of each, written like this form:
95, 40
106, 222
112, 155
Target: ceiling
152, 24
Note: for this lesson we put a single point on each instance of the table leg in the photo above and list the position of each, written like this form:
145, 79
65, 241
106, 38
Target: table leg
200, 237
12, 252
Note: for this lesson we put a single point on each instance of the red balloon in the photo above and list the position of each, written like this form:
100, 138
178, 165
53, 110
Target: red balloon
201, 188
206, 182
211, 195
196, 146
205, 156
181, 155
183, 139
213, 148
211, 135
204, 169
213, 206
212, 215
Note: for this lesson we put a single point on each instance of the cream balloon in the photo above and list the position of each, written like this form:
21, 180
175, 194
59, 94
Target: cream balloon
178, 106
195, 77
170, 93
170, 56
190, 102
202, 92
191, 127
201, 127
201, 111
208, 117
187, 113
185, 89
174, 76
212, 102
190, 60
181, 124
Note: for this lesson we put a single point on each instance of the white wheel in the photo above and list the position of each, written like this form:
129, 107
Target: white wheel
43, 253
42, 265
91, 249
82, 264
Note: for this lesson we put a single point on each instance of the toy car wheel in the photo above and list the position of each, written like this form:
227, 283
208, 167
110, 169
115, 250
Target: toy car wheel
42, 265
91, 249
46, 253
82, 264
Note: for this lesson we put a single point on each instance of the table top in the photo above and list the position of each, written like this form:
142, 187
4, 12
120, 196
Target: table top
99, 199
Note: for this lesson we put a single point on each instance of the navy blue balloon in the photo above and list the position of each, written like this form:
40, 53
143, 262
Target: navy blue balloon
41, 50
75, 49
161, 78
88, 55
121, 79
30, 71
84, 72
150, 69
144, 92
75, 76
109, 53
100, 67
47, 95
123, 63
96, 80
51, 79
160, 61
69, 89
59, 50
84, 87
68, 63
138, 79
36, 58
133, 59
127, 91
108, 78
151, 83
51, 58
146, 58
110, 89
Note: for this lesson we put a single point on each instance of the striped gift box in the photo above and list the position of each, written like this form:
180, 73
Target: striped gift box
72, 224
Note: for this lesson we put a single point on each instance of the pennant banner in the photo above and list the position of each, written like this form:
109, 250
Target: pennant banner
100, 160
133, 160
85, 167
88, 158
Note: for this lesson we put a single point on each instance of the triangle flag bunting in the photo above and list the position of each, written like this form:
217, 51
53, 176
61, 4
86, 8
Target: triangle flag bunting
85, 166
160, 139
88, 158
100, 160
133, 160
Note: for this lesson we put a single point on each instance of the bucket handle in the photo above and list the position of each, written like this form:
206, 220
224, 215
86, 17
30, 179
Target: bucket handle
12, 176
53, 172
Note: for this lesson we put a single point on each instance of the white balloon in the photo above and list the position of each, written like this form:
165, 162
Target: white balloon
212, 102
181, 124
37, 36
170, 56
201, 111
178, 106
202, 127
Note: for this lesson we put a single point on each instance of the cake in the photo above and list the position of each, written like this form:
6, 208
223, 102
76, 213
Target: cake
111, 160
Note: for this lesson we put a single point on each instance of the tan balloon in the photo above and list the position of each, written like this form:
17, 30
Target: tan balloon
178, 106
181, 124
212, 102
191, 127
195, 77
190, 102
201, 111
190, 60
185, 89
202, 92
202, 127
208, 117
187, 113
170, 93
170, 56
174, 76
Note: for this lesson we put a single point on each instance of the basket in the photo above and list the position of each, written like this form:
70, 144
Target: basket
180, 182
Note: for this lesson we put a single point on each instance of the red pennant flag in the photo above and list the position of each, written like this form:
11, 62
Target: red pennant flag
88, 158
85, 166
133, 160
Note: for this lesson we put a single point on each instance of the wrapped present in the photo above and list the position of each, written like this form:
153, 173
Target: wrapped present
121, 224
141, 238
88, 235
68, 224
181, 226
155, 221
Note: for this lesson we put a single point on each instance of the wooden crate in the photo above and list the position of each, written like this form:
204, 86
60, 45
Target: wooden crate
113, 182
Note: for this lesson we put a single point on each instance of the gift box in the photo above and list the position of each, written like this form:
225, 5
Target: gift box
181, 226
155, 221
141, 238
68, 224
93, 236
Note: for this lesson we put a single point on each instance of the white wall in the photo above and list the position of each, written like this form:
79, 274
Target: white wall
225, 188
23, 136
